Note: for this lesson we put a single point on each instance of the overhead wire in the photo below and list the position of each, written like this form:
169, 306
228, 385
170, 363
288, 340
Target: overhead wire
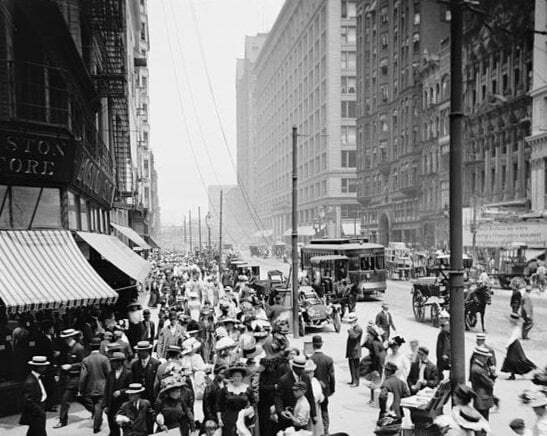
182, 113
178, 39
254, 215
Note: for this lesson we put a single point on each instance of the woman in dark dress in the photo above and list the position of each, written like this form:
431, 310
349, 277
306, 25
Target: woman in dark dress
516, 361
233, 397
172, 407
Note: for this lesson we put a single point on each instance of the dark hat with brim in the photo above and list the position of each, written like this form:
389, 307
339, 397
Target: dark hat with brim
228, 373
118, 356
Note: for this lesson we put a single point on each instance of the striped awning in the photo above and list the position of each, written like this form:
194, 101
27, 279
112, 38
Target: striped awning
45, 269
132, 235
118, 254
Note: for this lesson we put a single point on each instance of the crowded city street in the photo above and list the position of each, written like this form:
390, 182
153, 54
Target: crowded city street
273, 217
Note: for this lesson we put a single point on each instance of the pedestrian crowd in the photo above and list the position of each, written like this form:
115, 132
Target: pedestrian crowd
184, 338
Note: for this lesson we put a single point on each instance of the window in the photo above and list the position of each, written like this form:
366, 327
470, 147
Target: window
347, 136
348, 185
416, 43
347, 34
143, 31
349, 159
84, 217
348, 109
23, 207
348, 85
348, 60
385, 92
348, 9
416, 18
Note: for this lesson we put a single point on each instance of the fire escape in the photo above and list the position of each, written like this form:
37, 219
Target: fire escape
109, 23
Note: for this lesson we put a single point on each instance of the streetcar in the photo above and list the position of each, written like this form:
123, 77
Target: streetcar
360, 263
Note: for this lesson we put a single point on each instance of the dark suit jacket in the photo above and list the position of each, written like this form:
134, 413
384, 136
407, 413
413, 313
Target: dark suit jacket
152, 335
210, 398
324, 372
140, 419
353, 344
33, 409
114, 384
385, 322
284, 396
145, 376
431, 374
443, 349
95, 370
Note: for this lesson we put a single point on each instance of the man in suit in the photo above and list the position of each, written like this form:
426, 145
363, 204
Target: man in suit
71, 363
149, 327
34, 398
95, 370
482, 381
46, 345
117, 382
324, 372
135, 415
284, 397
171, 334
423, 373
443, 346
353, 348
144, 369
527, 312
384, 320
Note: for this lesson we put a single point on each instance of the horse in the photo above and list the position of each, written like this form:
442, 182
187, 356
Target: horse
475, 302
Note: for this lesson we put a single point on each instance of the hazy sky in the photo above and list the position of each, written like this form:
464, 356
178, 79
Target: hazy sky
222, 25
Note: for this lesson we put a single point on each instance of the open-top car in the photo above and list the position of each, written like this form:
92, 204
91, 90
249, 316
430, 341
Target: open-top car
314, 313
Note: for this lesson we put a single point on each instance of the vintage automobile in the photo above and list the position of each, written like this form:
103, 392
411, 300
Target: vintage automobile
314, 313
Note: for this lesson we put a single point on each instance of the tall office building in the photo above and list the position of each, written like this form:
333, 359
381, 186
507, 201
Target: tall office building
305, 77
393, 37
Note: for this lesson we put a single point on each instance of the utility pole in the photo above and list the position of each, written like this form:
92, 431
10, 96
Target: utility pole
190, 227
199, 227
456, 285
294, 234
220, 234
184, 240
208, 222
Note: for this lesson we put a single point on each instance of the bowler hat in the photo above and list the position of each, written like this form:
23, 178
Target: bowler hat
117, 356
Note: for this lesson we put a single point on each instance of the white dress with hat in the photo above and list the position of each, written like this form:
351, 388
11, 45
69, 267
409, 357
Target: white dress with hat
402, 362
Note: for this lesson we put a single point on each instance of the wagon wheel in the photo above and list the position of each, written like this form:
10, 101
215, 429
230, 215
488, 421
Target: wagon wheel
418, 305
435, 314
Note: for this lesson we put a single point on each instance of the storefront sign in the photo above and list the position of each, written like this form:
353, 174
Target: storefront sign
92, 179
35, 157
494, 235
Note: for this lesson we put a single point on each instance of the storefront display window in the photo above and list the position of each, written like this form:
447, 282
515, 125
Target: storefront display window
48, 213
23, 202
84, 215
23, 207
4, 207
73, 211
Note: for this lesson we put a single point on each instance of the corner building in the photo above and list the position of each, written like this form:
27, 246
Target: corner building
305, 77
392, 38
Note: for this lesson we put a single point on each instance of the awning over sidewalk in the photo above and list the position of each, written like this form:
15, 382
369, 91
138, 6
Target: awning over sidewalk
45, 269
132, 235
151, 242
118, 254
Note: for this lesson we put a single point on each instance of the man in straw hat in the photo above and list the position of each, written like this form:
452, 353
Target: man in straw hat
34, 398
353, 348
95, 370
144, 368
171, 334
284, 397
114, 393
70, 371
136, 415
482, 380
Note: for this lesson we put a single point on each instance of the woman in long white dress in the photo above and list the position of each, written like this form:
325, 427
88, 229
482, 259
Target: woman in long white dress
317, 426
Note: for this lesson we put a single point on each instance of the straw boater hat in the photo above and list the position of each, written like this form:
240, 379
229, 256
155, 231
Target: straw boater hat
298, 362
38, 361
134, 388
68, 333
236, 368
143, 346
469, 419
243, 278
224, 344
227, 320
482, 351
169, 383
